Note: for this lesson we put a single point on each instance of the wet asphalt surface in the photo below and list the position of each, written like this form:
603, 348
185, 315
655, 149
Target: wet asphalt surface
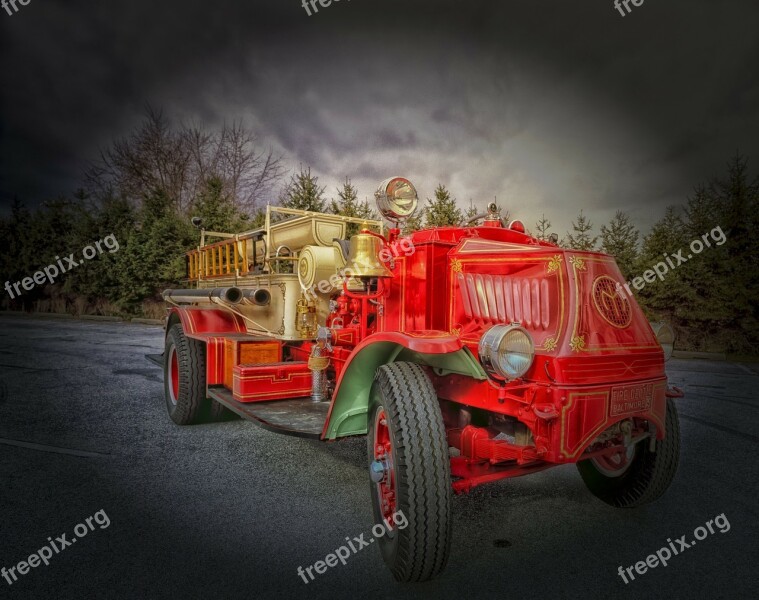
230, 510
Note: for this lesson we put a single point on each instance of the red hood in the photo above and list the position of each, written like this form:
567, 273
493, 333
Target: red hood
569, 301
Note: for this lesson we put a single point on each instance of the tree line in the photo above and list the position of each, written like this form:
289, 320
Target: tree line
146, 187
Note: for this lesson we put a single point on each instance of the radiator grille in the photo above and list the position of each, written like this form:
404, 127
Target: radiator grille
502, 299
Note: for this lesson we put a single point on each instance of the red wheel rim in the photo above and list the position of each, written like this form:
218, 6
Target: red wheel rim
383, 453
614, 465
173, 376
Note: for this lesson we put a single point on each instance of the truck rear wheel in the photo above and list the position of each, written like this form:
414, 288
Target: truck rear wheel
184, 377
639, 477
410, 472
218, 412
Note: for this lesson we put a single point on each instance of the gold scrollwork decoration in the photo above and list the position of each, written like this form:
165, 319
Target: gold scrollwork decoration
577, 262
554, 264
577, 344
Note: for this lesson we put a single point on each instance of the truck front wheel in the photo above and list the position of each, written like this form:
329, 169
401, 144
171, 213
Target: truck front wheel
410, 472
640, 476
184, 377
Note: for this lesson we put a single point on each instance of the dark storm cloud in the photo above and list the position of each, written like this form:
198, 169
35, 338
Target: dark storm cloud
551, 106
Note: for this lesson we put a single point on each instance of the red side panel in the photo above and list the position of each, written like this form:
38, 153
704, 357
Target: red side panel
196, 320
589, 412
214, 361
583, 418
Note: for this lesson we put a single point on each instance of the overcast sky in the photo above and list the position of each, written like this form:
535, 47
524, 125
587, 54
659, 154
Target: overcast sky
550, 105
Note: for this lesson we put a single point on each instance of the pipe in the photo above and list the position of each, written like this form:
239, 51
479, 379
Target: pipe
230, 295
259, 297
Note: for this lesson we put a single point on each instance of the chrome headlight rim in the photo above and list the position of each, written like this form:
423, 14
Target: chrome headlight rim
492, 354
397, 199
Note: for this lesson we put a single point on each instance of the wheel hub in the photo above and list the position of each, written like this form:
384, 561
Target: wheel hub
614, 465
378, 470
381, 469
173, 376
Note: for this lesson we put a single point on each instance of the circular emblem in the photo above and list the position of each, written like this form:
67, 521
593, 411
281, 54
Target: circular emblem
611, 303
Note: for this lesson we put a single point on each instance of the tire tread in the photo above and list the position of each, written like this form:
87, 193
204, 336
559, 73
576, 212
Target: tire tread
422, 470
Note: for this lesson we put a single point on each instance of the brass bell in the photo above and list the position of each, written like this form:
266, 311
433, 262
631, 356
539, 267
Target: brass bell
363, 257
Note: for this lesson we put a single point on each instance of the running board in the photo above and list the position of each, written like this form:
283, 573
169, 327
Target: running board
155, 358
300, 417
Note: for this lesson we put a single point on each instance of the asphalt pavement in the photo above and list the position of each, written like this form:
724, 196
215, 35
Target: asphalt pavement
230, 510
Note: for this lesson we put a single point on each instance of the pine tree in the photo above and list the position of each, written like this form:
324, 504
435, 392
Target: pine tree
442, 211
153, 257
668, 299
302, 192
470, 212
16, 258
705, 276
581, 240
217, 208
258, 220
541, 228
415, 222
347, 205
737, 212
738, 198
711, 296
99, 281
620, 240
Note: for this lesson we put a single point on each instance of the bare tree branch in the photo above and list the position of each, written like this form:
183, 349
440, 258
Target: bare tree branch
180, 161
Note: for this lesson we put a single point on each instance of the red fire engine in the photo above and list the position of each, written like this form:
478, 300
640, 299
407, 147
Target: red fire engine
467, 354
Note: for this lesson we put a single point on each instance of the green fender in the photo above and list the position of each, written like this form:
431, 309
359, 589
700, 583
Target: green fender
441, 351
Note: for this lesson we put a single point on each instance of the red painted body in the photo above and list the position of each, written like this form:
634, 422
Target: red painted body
597, 361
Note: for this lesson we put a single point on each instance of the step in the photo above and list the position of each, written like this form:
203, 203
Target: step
300, 417
156, 359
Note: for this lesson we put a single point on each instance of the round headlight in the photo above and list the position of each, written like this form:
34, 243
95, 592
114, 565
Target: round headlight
506, 351
396, 198
665, 335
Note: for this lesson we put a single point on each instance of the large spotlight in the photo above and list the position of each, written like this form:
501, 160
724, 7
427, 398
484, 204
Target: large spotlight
665, 335
396, 198
506, 351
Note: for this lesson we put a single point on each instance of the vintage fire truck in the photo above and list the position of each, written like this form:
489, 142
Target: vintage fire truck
467, 354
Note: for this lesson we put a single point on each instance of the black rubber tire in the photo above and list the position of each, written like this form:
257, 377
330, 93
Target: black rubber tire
649, 475
419, 551
218, 412
191, 396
